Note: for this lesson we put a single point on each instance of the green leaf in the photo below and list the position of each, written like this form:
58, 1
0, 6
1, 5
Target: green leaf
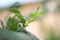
38, 8
26, 22
34, 15
18, 15
14, 10
12, 24
21, 18
52, 35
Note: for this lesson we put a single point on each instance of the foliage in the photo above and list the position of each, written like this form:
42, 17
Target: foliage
12, 23
18, 20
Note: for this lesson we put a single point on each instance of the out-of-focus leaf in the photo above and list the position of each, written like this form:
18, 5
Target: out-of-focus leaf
21, 18
36, 14
14, 10
37, 8
41, 12
12, 24
18, 15
51, 35
26, 22
32, 16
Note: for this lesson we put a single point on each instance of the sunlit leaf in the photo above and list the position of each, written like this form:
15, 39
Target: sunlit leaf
34, 15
